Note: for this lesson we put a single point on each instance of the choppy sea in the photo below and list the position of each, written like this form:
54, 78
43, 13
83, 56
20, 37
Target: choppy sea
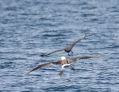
31, 27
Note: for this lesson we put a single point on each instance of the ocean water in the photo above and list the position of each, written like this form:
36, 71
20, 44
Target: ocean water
29, 28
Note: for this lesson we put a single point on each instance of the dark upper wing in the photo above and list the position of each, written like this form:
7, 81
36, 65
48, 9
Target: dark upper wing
40, 66
85, 37
75, 42
52, 52
74, 59
57, 62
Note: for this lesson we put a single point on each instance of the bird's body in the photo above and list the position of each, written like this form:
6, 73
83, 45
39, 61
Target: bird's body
67, 49
63, 62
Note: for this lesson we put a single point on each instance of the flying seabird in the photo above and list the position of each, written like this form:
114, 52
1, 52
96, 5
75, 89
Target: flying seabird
63, 62
66, 49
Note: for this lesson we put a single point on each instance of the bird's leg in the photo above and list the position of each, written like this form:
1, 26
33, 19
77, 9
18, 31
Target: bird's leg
72, 68
70, 53
43, 55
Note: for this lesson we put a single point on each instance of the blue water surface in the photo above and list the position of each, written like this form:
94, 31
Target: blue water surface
31, 27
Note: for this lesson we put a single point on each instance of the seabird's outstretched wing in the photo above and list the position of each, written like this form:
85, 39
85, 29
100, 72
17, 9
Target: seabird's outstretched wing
45, 65
79, 40
74, 59
52, 52
40, 66
75, 42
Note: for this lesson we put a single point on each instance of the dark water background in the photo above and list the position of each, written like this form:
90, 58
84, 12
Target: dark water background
31, 27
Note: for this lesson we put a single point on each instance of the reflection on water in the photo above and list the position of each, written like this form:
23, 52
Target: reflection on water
29, 28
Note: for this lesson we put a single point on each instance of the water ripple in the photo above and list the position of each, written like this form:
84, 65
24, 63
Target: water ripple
29, 28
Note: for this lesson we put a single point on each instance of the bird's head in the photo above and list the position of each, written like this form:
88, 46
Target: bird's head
63, 58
